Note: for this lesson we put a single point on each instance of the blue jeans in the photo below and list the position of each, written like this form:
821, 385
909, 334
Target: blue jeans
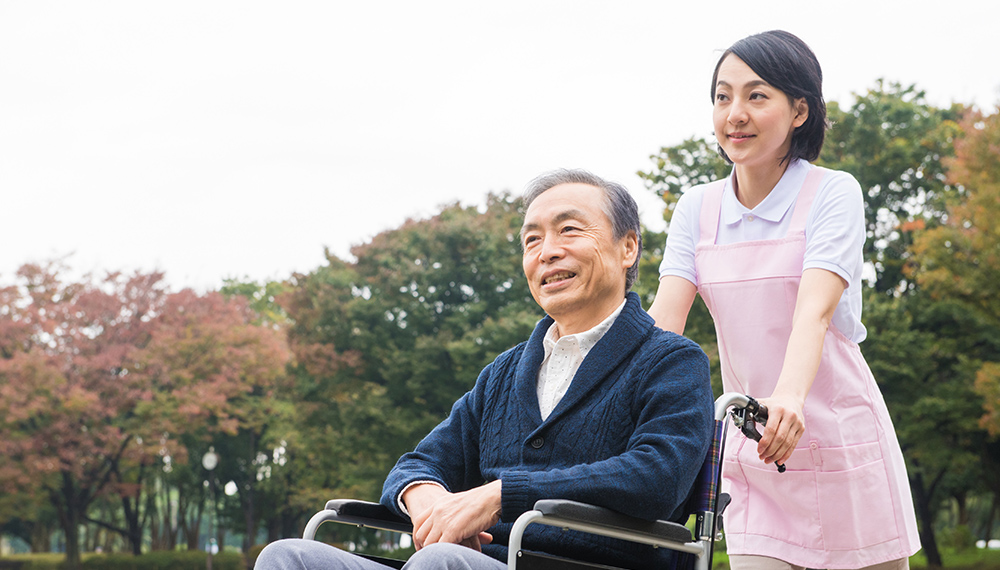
300, 554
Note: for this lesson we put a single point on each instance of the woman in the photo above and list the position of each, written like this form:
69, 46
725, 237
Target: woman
775, 250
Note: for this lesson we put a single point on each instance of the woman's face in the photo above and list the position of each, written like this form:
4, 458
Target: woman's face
753, 120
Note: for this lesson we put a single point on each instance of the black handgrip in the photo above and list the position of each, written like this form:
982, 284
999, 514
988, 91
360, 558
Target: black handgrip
757, 412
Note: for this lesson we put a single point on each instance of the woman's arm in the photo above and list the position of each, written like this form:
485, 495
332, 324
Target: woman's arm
819, 292
673, 301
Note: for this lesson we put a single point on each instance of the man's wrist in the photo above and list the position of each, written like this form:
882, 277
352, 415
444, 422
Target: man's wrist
402, 495
494, 494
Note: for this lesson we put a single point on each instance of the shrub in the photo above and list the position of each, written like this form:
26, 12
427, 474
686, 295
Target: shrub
156, 560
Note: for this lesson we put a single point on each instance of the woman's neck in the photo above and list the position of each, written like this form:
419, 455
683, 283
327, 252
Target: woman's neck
754, 183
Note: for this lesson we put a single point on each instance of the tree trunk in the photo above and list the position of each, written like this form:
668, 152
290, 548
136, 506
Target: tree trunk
250, 520
247, 499
133, 532
70, 505
963, 507
169, 517
191, 521
987, 532
41, 538
71, 528
926, 513
131, 507
220, 534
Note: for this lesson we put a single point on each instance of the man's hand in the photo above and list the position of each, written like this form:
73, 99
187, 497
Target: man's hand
459, 518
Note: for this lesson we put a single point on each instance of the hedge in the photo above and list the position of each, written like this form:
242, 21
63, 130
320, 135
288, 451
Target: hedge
156, 560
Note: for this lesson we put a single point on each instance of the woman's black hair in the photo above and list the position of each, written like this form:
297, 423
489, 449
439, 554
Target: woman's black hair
787, 63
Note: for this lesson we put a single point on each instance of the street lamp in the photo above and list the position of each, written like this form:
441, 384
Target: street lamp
209, 461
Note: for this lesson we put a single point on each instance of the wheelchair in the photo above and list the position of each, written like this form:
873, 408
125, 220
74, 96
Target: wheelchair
706, 505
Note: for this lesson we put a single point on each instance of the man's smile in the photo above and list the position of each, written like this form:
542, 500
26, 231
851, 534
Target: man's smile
558, 277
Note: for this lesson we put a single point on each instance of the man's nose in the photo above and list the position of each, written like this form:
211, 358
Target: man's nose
550, 250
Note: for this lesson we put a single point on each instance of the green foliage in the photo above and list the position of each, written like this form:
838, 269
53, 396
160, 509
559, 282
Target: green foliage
895, 144
677, 168
262, 298
252, 554
975, 559
165, 560
960, 539
160, 560
46, 561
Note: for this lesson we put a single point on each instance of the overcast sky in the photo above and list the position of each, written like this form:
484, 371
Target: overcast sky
214, 139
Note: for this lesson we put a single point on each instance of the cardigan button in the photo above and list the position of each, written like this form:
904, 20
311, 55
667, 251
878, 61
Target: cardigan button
537, 443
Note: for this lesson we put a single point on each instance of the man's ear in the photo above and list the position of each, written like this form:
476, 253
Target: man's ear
630, 249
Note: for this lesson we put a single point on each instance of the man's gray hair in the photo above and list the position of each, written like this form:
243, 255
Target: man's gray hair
619, 206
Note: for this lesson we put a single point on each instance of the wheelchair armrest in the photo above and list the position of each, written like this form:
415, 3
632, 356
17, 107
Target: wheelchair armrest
572, 510
360, 513
364, 510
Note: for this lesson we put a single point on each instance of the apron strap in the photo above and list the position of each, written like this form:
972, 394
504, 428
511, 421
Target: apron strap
803, 204
711, 210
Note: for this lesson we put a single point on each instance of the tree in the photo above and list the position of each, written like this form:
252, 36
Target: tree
216, 378
958, 262
960, 258
102, 380
385, 344
895, 144
920, 351
677, 168
67, 398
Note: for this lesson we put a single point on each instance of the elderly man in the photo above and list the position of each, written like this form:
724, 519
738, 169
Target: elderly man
597, 406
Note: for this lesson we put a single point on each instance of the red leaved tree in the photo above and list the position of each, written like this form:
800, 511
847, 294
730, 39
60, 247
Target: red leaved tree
100, 380
67, 398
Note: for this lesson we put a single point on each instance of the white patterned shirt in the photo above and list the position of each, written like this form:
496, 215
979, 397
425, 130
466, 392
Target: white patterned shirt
563, 357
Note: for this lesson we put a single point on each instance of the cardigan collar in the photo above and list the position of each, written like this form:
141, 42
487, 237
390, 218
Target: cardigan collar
625, 336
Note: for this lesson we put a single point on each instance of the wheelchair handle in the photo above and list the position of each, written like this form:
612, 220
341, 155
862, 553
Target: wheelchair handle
746, 413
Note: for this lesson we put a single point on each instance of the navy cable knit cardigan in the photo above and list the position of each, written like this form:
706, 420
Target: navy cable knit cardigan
630, 435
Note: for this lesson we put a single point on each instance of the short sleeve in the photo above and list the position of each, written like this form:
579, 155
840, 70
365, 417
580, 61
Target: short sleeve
682, 237
835, 230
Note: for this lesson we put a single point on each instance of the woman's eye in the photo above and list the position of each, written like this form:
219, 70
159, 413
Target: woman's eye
757, 96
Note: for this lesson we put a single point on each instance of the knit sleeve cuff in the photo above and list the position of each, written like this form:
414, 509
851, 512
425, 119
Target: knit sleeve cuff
514, 495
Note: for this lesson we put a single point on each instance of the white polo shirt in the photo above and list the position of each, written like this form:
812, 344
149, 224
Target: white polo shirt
835, 232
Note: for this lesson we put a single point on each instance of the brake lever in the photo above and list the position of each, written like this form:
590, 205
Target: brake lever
746, 419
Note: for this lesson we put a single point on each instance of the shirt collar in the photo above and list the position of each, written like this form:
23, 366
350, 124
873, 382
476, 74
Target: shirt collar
586, 339
775, 205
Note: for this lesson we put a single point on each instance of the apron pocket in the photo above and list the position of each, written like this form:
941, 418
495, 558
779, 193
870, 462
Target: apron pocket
855, 506
782, 506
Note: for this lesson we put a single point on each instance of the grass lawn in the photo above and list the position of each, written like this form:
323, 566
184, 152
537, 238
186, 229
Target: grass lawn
971, 559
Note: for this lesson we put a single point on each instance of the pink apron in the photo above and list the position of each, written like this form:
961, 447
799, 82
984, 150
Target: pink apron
844, 501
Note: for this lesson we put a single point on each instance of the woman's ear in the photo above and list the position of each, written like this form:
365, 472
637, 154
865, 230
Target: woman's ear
801, 111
